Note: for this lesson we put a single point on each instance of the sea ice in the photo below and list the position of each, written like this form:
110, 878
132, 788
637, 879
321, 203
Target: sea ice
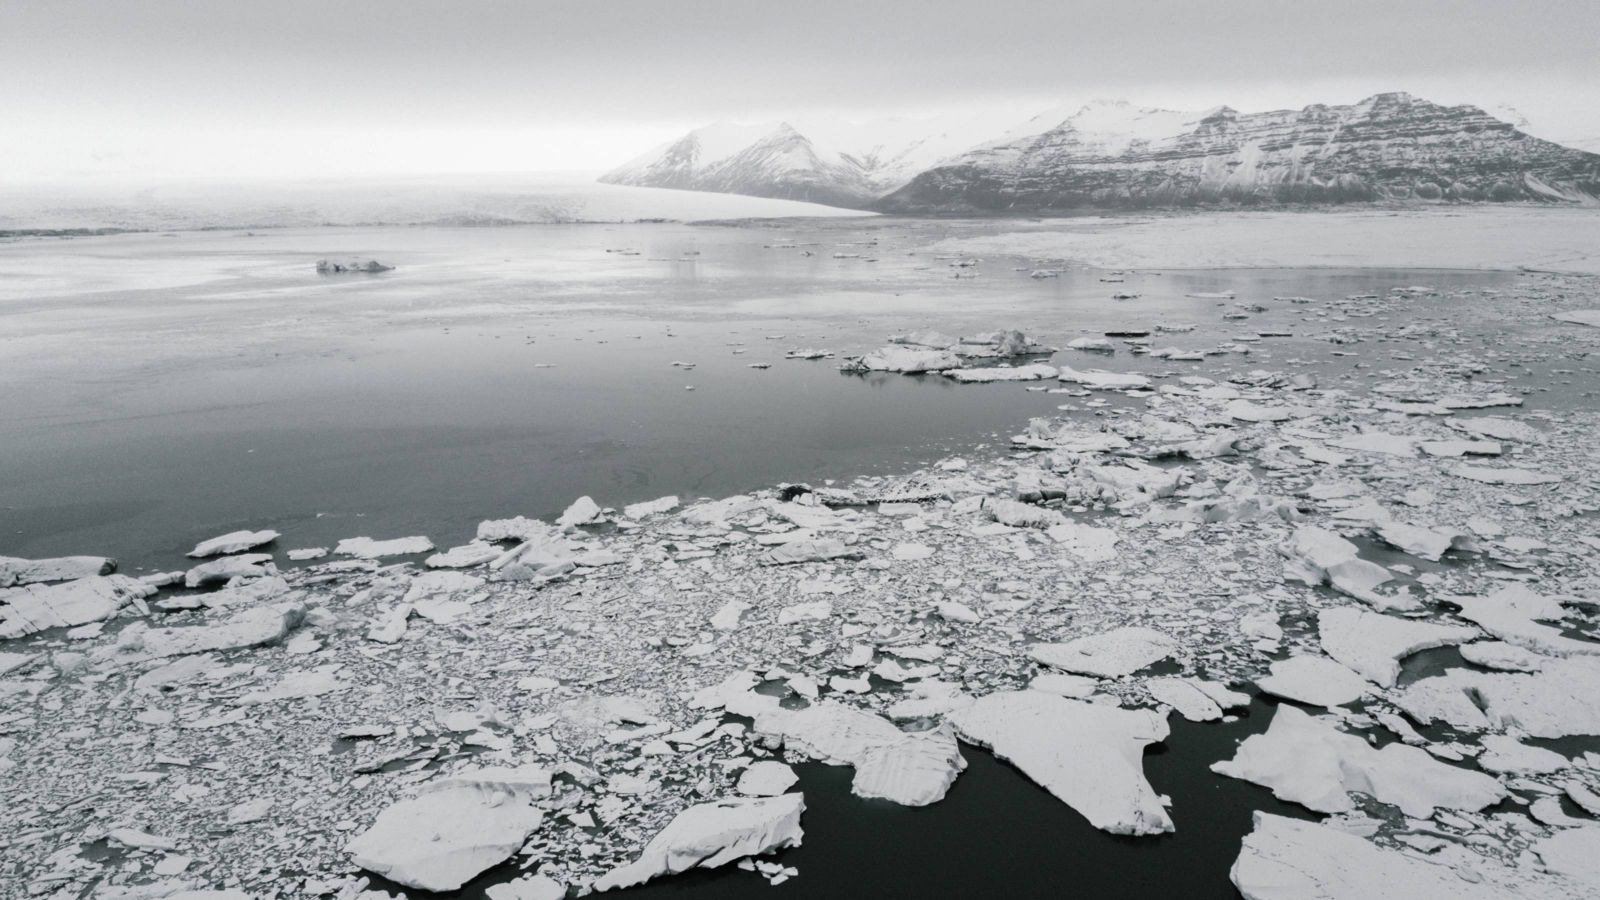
367, 548
14, 571
1088, 755
1374, 644
1306, 760
1313, 680
447, 835
714, 834
233, 542
910, 768
1113, 654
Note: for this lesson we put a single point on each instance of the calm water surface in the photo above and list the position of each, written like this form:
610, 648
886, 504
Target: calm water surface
157, 390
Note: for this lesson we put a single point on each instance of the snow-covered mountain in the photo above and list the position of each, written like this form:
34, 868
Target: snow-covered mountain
1387, 147
821, 160
1116, 155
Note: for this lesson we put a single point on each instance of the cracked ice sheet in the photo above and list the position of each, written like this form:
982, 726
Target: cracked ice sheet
1307, 760
1287, 859
1562, 698
1373, 644
1513, 613
910, 768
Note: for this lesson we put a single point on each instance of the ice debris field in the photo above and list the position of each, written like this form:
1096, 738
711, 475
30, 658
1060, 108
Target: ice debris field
621, 695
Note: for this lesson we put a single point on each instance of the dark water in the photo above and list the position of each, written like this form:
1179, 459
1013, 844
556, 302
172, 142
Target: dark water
156, 391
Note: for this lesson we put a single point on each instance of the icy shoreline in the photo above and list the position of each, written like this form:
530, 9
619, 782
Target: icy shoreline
573, 678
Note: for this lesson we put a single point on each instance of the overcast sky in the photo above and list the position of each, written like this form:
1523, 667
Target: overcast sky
272, 87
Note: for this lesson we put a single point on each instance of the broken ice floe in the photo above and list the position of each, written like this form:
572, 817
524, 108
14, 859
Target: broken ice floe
1309, 761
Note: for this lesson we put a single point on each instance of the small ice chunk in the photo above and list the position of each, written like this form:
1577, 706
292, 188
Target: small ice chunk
766, 778
651, 507
1035, 372
1505, 754
15, 571
221, 571
32, 608
1062, 685
1318, 556
1087, 542
465, 556
910, 768
233, 542
1287, 858
815, 611
1562, 698
1513, 613
367, 548
1100, 380
1512, 476
583, 511
1190, 701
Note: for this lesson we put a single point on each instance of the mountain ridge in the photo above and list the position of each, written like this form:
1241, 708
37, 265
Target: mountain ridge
1389, 147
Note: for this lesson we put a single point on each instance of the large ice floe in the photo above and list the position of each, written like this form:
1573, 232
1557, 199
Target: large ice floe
1090, 756
1373, 644
455, 829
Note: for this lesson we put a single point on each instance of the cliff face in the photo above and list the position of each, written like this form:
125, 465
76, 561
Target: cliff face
1387, 147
